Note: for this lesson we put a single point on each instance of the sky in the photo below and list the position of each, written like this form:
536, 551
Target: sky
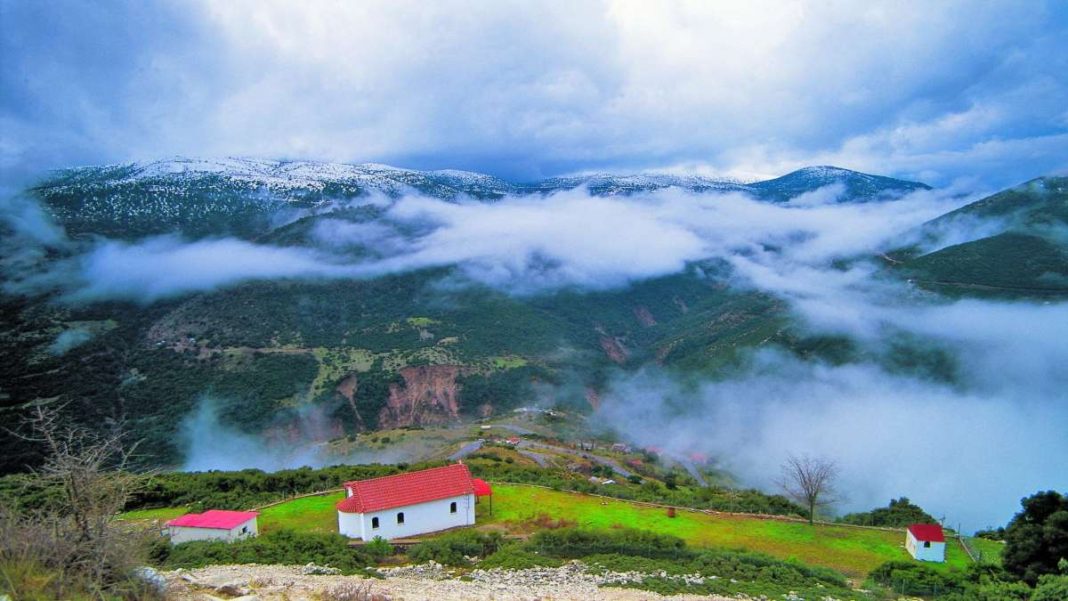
939, 92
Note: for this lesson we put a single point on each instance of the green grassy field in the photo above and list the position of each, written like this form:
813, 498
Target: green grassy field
308, 514
517, 508
853, 551
990, 550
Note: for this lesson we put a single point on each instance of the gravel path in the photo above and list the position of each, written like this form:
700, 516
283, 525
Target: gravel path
416, 583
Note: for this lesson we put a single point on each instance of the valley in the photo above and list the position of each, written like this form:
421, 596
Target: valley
280, 368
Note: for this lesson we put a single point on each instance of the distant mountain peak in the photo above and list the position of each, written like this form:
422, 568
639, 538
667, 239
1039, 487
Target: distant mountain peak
826, 171
857, 186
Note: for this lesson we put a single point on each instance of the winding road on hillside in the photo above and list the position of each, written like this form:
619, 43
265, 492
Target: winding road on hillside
541, 460
517, 429
466, 450
611, 463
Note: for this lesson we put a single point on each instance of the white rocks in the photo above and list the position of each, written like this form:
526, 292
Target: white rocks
427, 582
152, 578
313, 570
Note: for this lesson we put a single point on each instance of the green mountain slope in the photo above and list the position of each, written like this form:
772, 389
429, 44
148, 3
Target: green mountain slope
1039, 202
1010, 261
1026, 255
352, 352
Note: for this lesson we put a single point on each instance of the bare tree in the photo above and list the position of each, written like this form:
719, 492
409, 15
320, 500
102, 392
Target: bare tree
810, 481
77, 535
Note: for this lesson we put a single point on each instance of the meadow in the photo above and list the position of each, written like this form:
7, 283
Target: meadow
850, 550
521, 509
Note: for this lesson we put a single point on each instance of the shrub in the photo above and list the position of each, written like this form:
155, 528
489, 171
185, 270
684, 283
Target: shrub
911, 578
353, 591
279, 547
997, 534
453, 549
992, 591
900, 513
1051, 588
515, 557
378, 548
573, 543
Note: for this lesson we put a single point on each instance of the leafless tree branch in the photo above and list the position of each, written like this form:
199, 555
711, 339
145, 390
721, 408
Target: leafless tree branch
809, 481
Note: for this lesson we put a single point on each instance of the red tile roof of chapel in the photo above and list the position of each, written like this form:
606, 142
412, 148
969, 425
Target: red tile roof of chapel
402, 490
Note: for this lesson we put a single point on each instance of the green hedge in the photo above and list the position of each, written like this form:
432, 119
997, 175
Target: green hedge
453, 549
279, 547
573, 543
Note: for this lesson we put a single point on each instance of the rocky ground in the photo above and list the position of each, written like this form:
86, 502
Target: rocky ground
429, 582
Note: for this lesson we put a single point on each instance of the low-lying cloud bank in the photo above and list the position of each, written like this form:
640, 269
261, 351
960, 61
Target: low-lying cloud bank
522, 245
210, 444
968, 455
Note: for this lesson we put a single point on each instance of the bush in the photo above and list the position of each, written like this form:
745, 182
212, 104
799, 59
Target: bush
353, 591
571, 543
910, 578
454, 549
900, 513
993, 591
1051, 588
515, 557
378, 548
997, 534
279, 547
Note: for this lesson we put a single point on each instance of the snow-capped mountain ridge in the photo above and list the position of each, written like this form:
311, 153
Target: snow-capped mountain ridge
315, 176
238, 195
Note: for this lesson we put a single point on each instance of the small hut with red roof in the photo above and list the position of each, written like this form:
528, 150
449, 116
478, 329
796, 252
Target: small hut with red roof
410, 504
926, 542
214, 524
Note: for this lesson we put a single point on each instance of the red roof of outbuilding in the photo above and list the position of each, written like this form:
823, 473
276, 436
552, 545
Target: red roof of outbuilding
482, 488
218, 519
928, 533
407, 489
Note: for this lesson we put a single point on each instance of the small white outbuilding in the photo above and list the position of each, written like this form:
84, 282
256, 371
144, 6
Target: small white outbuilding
926, 542
214, 524
410, 504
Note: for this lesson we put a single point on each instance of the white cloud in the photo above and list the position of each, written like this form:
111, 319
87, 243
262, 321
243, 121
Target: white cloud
534, 244
161, 267
969, 454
